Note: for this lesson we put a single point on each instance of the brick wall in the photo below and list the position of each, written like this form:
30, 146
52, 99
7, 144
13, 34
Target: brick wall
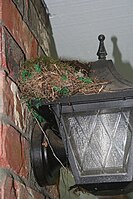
25, 32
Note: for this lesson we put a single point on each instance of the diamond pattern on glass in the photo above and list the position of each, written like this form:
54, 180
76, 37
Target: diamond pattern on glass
99, 140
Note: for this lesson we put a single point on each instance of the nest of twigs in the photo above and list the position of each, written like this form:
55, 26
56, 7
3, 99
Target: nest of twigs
51, 79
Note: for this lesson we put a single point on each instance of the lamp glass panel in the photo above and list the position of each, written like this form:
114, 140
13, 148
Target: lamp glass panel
100, 140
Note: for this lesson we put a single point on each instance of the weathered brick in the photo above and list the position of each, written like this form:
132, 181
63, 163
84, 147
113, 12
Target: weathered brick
12, 189
3, 63
13, 150
14, 55
31, 194
20, 5
25, 32
11, 55
18, 29
7, 97
42, 10
10, 105
0, 10
13, 106
40, 52
2, 75
7, 189
25, 10
38, 28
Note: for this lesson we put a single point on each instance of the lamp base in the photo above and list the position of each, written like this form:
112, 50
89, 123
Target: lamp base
44, 163
106, 189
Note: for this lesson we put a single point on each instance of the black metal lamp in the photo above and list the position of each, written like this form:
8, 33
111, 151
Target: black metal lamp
98, 140
96, 131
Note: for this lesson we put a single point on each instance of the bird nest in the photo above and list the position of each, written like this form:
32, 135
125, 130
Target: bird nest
50, 79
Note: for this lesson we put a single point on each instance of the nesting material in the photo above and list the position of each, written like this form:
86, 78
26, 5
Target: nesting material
51, 79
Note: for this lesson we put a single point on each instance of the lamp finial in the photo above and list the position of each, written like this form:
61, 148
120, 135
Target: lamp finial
101, 50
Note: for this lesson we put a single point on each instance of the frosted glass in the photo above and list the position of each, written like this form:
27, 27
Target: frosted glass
100, 140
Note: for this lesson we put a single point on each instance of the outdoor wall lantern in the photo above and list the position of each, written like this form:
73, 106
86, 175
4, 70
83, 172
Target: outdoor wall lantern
97, 134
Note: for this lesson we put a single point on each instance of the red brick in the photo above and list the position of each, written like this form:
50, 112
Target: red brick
7, 190
2, 77
27, 4
10, 104
0, 9
8, 98
30, 193
14, 54
19, 30
3, 63
12, 189
13, 150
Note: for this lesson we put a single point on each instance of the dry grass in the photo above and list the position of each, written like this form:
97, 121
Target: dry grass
51, 79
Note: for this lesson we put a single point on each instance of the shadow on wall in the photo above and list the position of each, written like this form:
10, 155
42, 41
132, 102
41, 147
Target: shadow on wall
124, 68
